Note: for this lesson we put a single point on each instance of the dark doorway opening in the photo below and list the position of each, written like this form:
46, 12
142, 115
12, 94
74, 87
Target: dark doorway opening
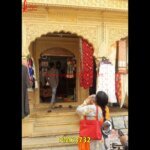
67, 78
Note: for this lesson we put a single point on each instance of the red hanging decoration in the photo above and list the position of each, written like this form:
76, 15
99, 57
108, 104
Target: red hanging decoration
86, 77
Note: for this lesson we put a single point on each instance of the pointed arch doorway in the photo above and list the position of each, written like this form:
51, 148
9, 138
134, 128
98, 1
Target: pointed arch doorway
59, 46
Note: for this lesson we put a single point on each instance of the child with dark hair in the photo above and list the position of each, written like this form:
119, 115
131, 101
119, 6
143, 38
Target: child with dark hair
88, 109
102, 101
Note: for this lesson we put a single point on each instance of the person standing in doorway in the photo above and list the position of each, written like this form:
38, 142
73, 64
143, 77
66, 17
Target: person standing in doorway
53, 79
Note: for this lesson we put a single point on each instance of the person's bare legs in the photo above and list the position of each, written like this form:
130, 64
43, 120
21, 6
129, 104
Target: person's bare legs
52, 104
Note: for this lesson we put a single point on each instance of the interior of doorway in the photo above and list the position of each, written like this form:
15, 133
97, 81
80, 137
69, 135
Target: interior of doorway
66, 90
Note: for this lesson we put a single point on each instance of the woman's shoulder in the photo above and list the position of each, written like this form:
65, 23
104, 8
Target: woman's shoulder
91, 107
94, 107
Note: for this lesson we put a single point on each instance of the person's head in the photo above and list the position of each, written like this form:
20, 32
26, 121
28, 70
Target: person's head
102, 101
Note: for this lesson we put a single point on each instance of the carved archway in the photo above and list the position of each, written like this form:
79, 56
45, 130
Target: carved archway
36, 51
32, 31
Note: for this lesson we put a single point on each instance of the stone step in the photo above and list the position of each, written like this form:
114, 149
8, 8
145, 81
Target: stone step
43, 114
57, 129
60, 122
50, 142
67, 112
65, 147
48, 133
42, 111
64, 105
57, 118
63, 129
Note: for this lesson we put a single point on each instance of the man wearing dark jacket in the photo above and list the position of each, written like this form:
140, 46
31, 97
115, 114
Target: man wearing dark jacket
53, 79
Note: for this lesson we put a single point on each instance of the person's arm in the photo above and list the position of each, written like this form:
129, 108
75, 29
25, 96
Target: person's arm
82, 109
